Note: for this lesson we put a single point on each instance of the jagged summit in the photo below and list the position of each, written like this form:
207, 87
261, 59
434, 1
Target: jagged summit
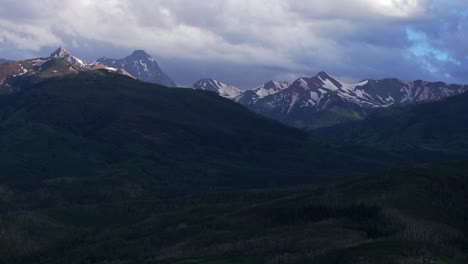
323, 74
61, 52
140, 54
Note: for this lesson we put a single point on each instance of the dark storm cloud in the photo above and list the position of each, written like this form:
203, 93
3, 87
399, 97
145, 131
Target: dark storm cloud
247, 42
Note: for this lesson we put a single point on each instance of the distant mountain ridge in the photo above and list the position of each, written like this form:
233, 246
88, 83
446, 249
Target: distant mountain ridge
323, 100
309, 102
139, 65
237, 94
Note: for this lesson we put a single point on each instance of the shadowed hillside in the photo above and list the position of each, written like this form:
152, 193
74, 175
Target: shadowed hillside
101, 168
423, 132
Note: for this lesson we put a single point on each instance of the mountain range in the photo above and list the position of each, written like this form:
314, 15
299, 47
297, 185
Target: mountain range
308, 102
139, 65
323, 100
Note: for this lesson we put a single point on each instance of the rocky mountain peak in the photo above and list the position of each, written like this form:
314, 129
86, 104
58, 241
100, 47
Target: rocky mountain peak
140, 54
140, 65
323, 75
61, 52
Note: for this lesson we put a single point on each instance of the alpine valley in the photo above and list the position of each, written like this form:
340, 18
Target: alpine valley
103, 163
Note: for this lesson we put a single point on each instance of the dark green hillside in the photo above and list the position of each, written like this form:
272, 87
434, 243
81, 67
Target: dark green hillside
98, 136
403, 216
100, 168
424, 132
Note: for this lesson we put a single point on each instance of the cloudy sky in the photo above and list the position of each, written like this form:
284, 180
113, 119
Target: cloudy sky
248, 42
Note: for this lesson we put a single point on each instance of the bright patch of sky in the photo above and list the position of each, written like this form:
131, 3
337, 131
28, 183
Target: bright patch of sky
421, 48
465, 14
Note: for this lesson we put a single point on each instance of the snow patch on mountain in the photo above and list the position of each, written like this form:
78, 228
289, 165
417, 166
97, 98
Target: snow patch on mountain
224, 90
294, 100
38, 62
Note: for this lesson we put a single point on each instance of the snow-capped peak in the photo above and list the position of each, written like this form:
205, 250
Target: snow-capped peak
61, 52
224, 90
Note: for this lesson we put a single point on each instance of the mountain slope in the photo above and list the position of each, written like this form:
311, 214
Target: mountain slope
222, 89
98, 126
98, 66
17, 75
439, 127
3, 60
141, 66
